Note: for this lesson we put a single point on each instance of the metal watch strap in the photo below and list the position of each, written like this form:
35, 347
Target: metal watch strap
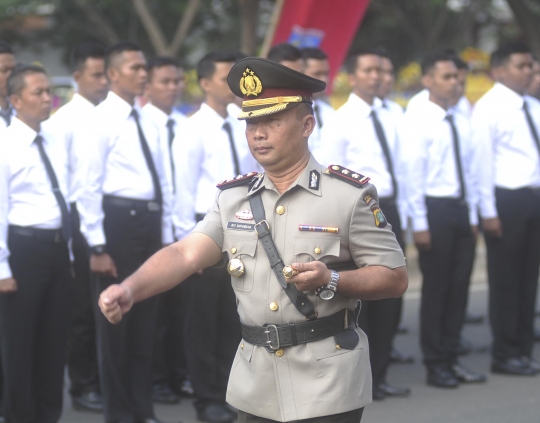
298, 298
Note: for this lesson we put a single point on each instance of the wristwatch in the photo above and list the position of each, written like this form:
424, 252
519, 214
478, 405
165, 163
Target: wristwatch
327, 292
98, 249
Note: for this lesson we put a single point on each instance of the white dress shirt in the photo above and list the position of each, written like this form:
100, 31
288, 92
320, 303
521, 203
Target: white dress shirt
63, 125
463, 106
26, 194
509, 155
349, 139
3, 123
394, 108
202, 160
323, 111
431, 164
160, 119
115, 165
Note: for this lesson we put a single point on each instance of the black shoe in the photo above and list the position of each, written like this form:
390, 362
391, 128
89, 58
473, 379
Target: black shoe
150, 420
398, 357
89, 401
402, 329
531, 362
162, 394
465, 375
537, 335
377, 393
473, 318
186, 388
392, 391
441, 377
215, 413
512, 366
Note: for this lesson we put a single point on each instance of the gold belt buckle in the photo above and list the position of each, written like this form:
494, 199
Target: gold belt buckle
269, 342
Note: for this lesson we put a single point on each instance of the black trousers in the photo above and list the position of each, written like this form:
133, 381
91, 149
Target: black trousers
354, 416
169, 360
34, 327
125, 349
212, 334
513, 263
379, 319
446, 270
82, 356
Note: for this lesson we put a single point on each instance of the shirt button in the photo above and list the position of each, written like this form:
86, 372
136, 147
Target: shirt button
280, 352
233, 250
338, 346
242, 346
280, 210
274, 306
317, 250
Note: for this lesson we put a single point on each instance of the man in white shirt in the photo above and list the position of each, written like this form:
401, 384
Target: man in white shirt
88, 64
166, 82
387, 85
288, 55
316, 65
125, 218
534, 87
35, 277
441, 194
506, 128
361, 135
7, 63
212, 149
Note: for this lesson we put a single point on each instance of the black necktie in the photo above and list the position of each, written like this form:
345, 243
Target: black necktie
318, 116
6, 115
149, 161
227, 127
457, 155
386, 151
66, 219
532, 126
170, 131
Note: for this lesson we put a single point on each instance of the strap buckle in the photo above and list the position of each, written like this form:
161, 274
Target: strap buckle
269, 341
263, 221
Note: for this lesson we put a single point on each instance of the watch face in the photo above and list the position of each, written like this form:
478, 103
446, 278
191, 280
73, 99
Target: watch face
327, 294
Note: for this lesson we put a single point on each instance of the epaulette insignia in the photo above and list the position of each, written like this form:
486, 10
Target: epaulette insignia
235, 182
347, 175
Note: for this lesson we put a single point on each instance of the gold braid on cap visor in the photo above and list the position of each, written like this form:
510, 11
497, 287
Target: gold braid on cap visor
279, 104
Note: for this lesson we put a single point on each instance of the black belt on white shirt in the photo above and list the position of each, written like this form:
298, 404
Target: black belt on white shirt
128, 203
51, 235
450, 201
279, 336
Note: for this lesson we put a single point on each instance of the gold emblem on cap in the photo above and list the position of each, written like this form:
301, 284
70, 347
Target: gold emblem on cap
250, 84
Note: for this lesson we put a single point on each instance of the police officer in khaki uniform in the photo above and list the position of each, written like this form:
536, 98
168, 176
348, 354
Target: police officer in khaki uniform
304, 242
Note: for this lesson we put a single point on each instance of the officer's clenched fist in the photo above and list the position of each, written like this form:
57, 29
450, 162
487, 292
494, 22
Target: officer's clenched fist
115, 301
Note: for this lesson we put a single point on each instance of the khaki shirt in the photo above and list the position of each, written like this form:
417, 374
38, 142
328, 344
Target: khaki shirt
314, 379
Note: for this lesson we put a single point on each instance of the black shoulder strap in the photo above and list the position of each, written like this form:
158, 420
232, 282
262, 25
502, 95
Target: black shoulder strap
298, 298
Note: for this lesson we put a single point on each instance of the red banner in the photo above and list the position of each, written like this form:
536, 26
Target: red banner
327, 24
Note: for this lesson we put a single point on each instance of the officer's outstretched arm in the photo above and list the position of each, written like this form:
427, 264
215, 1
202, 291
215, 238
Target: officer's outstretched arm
164, 270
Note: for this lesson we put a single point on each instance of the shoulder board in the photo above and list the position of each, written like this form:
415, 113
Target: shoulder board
236, 182
347, 175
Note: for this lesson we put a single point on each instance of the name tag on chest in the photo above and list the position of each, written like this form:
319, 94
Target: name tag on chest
238, 226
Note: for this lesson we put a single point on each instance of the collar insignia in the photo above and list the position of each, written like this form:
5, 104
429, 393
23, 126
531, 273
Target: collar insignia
256, 182
314, 178
250, 84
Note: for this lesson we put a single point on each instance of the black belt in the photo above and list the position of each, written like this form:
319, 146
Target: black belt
279, 336
138, 205
51, 235
450, 201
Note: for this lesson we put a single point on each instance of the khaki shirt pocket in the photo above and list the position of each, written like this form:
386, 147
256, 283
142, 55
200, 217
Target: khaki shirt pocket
246, 350
308, 248
327, 348
242, 247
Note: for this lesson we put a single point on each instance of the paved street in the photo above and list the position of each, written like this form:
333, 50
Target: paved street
502, 399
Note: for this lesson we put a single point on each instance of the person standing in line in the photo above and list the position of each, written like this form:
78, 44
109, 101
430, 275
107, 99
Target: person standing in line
211, 150
288, 55
35, 272
317, 66
88, 64
362, 135
125, 218
442, 197
506, 129
166, 82
7, 63
534, 87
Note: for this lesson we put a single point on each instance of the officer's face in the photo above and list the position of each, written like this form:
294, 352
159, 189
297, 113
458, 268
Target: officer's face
516, 73
442, 82
129, 73
33, 103
279, 141
387, 78
7, 63
165, 86
366, 78
534, 86
91, 80
215, 87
